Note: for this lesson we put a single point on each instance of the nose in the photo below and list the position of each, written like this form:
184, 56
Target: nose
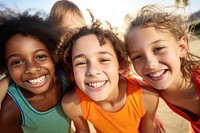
152, 63
32, 68
92, 69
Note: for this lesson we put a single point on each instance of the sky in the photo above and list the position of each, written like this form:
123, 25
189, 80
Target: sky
110, 10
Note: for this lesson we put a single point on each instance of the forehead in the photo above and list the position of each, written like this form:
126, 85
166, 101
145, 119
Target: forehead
90, 43
91, 40
141, 34
22, 44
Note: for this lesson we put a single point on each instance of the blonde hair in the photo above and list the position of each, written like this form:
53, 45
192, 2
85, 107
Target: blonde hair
64, 8
156, 16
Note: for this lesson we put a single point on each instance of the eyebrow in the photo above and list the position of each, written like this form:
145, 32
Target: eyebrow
160, 40
82, 55
12, 55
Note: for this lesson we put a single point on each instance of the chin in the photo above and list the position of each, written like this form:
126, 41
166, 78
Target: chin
159, 88
97, 98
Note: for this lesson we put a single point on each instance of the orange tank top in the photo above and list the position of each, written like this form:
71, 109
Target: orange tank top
126, 120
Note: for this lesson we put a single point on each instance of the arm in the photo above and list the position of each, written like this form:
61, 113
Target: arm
72, 109
158, 126
10, 117
4, 83
150, 100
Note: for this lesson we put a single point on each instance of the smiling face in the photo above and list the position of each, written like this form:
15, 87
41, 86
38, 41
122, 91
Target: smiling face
29, 63
95, 68
156, 57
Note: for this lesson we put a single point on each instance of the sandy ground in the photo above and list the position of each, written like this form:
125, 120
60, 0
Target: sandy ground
172, 122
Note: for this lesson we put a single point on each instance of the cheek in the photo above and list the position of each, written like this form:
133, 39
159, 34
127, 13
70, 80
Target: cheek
49, 65
15, 74
138, 67
78, 75
112, 70
171, 58
52, 70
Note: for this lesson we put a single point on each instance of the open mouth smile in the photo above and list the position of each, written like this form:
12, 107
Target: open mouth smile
37, 80
96, 84
157, 75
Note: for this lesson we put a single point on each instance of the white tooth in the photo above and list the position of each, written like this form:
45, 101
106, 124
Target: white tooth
38, 80
96, 85
157, 74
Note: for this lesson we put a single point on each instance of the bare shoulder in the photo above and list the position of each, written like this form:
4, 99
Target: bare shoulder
150, 93
70, 98
148, 90
70, 104
150, 97
10, 116
9, 109
72, 109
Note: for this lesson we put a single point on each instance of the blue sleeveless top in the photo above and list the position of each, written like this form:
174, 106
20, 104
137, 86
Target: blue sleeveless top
33, 121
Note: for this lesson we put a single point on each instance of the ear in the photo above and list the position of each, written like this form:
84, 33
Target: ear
183, 46
126, 72
121, 71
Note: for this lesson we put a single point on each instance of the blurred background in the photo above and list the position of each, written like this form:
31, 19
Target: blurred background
115, 12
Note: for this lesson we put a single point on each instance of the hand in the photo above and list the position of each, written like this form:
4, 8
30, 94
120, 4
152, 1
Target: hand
158, 126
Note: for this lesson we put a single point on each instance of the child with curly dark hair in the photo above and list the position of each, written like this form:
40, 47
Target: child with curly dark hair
33, 101
102, 96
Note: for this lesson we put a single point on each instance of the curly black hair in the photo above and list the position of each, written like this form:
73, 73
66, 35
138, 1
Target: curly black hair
26, 24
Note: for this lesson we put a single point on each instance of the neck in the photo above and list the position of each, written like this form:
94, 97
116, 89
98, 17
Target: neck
184, 88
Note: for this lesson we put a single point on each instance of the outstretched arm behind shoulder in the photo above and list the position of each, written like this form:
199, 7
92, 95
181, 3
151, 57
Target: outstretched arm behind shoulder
158, 126
72, 109
151, 100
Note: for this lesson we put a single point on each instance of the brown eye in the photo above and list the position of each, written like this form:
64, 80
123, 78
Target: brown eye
16, 62
136, 58
81, 63
40, 57
156, 50
104, 60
